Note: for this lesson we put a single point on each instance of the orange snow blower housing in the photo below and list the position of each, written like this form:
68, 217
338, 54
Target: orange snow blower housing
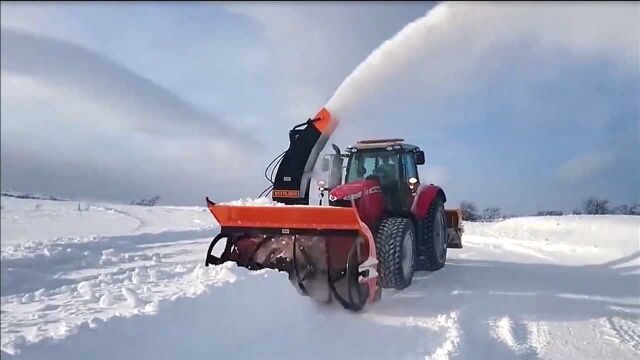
380, 227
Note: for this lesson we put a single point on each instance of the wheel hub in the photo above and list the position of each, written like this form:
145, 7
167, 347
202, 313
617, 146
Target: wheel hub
407, 254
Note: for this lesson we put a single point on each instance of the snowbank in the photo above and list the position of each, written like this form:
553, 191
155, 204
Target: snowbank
45, 220
263, 201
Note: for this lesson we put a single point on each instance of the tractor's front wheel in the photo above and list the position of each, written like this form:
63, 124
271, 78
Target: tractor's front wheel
396, 252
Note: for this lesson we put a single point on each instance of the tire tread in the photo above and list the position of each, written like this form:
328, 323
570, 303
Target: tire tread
388, 241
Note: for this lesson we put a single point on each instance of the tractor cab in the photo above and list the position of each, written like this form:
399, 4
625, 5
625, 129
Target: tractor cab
389, 162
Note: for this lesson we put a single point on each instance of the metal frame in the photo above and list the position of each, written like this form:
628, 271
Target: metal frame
350, 273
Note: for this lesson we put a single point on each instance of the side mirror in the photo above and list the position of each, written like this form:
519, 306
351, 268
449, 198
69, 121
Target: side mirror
420, 158
326, 164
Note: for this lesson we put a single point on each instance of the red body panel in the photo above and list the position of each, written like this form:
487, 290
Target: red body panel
422, 202
349, 189
370, 201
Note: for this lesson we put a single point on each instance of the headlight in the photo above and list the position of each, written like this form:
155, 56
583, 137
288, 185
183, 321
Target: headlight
353, 196
332, 198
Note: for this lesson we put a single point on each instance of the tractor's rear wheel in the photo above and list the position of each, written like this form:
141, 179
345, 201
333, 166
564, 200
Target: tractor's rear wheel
435, 238
396, 252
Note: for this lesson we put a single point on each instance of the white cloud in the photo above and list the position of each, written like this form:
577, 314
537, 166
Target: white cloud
18, 88
87, 78
88, 120
584, 166
29, 18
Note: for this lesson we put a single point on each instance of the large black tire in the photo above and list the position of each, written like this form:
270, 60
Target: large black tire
434, 243
396, 260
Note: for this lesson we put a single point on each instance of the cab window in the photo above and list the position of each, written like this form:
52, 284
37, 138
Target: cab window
382, 164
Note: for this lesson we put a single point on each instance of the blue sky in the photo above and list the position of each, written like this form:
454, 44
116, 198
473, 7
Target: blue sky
525, 107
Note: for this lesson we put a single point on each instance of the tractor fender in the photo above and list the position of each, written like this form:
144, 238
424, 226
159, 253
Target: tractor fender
426, 195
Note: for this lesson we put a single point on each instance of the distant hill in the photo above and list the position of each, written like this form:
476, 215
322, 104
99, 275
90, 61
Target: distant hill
21, 195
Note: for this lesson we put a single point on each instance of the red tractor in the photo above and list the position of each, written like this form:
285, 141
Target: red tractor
381, 226
412, 230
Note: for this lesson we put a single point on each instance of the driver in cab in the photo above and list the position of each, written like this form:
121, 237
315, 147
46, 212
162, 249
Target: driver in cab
386, 170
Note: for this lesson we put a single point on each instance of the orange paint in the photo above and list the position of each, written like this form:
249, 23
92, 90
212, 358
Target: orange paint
324, 122
294, 217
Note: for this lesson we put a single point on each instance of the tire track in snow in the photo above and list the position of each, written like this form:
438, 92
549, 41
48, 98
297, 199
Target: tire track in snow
523, 338
443, 326
539, 336
626, 331
452, 334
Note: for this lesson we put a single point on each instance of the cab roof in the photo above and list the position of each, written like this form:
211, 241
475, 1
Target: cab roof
382, 144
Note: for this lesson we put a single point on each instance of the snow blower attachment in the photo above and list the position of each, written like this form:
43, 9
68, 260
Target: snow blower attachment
331, 252
327, 252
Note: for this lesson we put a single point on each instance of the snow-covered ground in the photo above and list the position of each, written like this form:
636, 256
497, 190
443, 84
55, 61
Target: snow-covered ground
118, 281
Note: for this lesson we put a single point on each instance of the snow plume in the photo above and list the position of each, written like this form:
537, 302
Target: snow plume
383, 61
455, 43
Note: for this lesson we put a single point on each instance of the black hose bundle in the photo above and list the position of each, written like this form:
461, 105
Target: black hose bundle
271, 171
